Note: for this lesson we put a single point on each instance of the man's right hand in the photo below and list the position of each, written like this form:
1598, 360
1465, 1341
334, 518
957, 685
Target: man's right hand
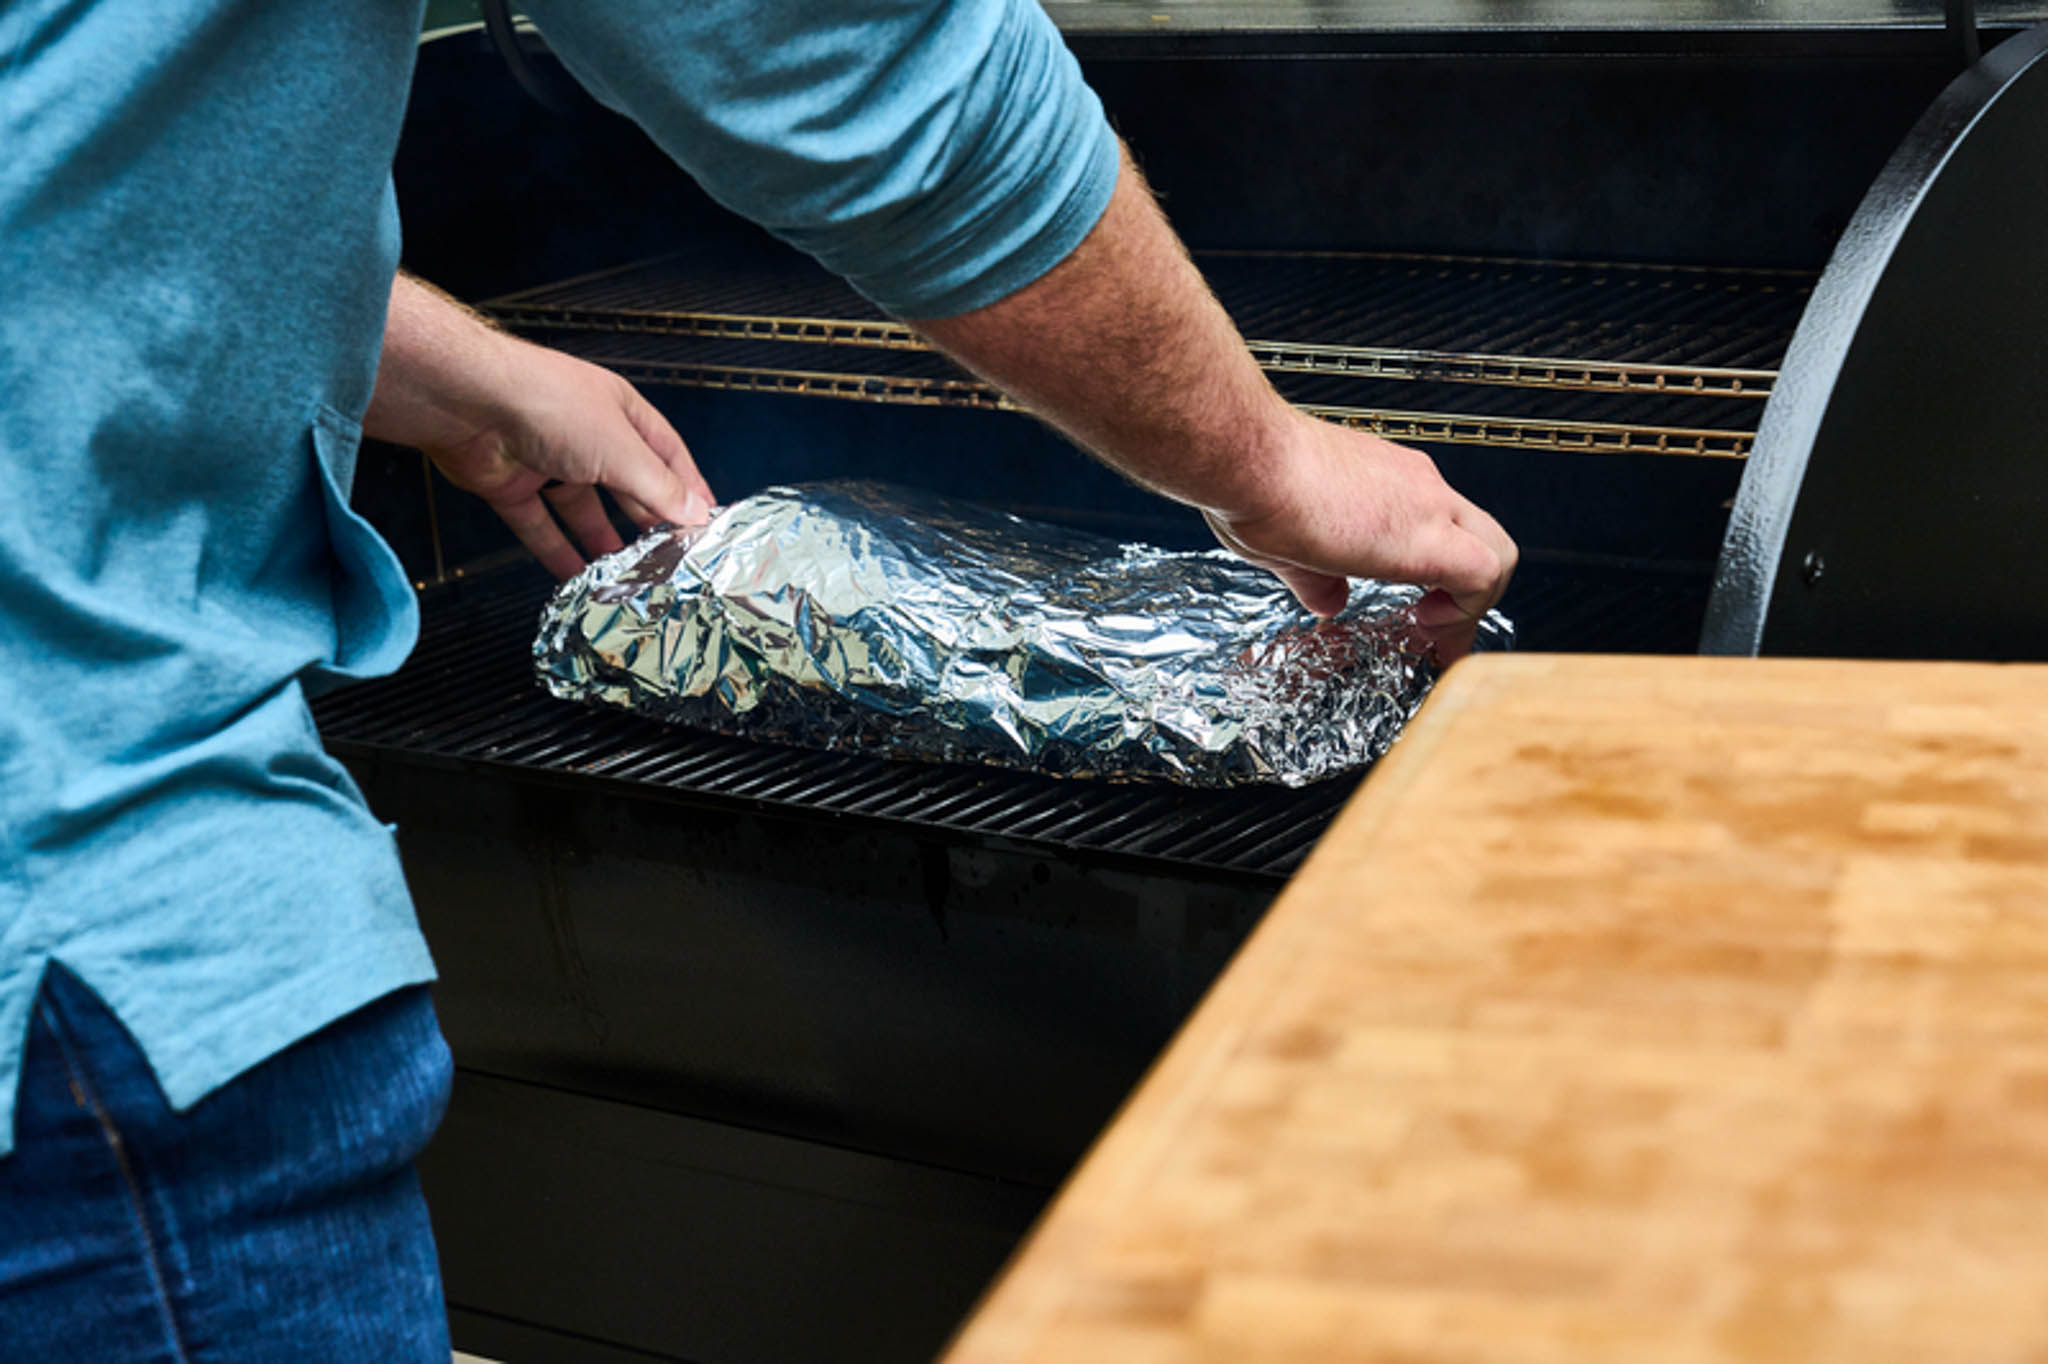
1347, 504
1122, 346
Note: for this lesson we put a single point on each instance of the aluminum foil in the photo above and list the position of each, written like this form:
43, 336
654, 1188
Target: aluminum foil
865, 618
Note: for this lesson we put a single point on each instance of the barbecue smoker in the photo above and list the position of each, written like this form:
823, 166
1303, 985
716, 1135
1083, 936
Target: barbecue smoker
1739, 323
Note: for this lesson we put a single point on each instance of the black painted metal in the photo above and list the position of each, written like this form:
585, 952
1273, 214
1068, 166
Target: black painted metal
1684, 156
641, 1236
1962, 29
1900, 462
964, 1004
755, 1084
1752, 29
546, 83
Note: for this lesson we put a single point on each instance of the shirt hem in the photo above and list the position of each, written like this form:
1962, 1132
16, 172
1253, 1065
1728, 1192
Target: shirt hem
279, 1018
246, 1037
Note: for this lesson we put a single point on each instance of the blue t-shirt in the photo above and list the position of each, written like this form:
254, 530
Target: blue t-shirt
197, 238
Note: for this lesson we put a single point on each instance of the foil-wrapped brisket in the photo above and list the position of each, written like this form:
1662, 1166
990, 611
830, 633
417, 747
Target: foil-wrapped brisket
864, 618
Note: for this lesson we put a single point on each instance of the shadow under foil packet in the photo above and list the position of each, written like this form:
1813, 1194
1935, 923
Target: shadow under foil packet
870, 619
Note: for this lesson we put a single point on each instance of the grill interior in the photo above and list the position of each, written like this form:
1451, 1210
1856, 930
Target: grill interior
468, 697
1440, 349
1437, 349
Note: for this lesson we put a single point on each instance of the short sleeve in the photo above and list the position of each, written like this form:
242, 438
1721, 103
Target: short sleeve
938, 154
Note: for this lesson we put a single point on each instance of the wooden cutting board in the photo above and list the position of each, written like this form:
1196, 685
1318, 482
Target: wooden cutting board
1636, 1009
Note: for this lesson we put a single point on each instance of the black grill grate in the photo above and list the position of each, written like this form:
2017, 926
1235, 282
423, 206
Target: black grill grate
468, 696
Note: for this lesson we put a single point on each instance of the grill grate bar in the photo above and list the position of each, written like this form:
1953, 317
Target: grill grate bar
1224, 835
787, 775
666, 763
871, 785
1107, 812
637, 762
990, 800
809, 780
931, 800
1286, 844
567, 747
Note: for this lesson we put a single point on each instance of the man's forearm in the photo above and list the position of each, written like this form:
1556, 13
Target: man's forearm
1123, 347
442, 372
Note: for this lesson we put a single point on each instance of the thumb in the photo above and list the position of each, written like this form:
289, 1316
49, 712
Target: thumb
1321, 593
1318, 592
661, 438
1438, 609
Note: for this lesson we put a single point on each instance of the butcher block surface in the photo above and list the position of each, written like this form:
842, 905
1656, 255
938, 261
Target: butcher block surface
1636, 1009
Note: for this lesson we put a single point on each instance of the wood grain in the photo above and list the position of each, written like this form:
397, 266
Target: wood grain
1674, 1009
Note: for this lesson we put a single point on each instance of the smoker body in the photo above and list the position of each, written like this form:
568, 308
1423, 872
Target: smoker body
769, 1055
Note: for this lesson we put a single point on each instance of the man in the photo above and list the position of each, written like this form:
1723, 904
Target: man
217, 1058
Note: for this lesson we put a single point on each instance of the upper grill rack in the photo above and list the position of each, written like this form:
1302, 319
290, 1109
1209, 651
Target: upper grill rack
1460, 327
1669, 423
468, 696
1480, 320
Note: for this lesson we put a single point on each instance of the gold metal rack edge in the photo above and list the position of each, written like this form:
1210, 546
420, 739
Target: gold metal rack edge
1277, 357
1529, 433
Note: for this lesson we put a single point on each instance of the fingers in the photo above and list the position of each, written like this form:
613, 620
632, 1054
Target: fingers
1453, 642
1484, 562
1373, 509
661, 438
651, 483
1489, 532
536, 529
1439, 610
1323, 594
567, 429
1448, 557
1467, 556
1452, 543
1318, 592
636, 513
578, 506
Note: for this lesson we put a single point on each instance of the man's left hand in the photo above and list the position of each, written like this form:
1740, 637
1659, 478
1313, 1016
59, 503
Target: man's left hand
532, 431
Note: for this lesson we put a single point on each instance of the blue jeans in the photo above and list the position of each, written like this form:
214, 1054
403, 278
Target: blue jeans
277, 1219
